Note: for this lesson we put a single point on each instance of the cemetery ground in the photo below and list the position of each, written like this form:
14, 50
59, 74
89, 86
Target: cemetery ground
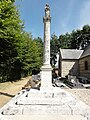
8, 90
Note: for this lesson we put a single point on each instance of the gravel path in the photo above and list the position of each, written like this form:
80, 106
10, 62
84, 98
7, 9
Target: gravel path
82, 94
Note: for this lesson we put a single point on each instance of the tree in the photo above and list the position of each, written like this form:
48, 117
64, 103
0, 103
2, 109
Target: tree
65, 41
31, 54
54, 48
10, 36
75, 39
85, 36
80, 38
39, 56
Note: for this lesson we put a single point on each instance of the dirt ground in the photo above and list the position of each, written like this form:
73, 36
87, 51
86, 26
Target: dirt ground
9, 90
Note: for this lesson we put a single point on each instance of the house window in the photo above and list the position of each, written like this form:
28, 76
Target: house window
86, 65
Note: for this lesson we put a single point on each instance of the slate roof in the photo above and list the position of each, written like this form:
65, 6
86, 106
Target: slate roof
70, 54
86, 52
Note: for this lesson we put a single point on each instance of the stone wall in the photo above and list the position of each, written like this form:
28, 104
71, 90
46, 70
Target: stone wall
83, 72
69, 67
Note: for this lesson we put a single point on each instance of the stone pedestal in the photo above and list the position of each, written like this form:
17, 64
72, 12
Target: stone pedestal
46, 77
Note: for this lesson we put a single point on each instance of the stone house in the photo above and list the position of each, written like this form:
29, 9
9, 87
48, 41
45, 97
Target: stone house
74, 62
69, 62
84, 63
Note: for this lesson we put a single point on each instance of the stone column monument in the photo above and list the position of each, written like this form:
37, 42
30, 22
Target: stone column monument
46, 69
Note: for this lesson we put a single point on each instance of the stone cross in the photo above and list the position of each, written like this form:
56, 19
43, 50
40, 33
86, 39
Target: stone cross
46, 69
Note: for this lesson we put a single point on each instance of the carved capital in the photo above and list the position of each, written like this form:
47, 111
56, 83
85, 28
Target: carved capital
45, 19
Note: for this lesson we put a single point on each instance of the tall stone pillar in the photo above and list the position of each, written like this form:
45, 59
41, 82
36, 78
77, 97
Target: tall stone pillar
46, 69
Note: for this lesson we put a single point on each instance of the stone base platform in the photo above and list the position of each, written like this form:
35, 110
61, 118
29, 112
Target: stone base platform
47, 102
43, 117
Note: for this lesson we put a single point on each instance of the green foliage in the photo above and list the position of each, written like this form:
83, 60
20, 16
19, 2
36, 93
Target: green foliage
81, 38
39, 51
77, 39
65, 41
31, 57
20, 55
10, 35
54, 48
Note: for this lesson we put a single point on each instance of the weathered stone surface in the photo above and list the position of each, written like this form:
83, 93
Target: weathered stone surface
44, 117
47, 110
46, 69
54, 101
12, 110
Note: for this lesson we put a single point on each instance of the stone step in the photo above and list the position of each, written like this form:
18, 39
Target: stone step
46, 101
44, 117
64, 105
37, 110
45, 110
